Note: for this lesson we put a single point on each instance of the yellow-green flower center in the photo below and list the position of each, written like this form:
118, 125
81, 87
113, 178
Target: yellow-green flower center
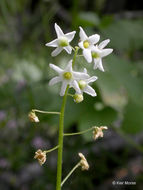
95, 55
63, 42
86, 44
82, 84
67, 75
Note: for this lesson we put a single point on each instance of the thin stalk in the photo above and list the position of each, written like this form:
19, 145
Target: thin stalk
70, 95
46, 112
75, 54
52, 149
60, 149
69, 174
78, 133
61, 132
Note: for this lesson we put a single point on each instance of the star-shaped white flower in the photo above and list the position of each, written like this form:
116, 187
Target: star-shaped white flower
84, 85
67, 77
98, 53
86, 43
62, 41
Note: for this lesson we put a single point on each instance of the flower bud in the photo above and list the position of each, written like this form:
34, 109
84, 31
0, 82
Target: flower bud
33, 117
78, 98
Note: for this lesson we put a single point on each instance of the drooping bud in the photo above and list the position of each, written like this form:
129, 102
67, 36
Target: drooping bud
83, 162
97, 132
78, 98
33, 117
40, 156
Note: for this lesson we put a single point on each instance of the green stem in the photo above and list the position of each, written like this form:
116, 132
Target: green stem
46, 112
60, 149
75, 54
61, 132
69, 174
52, 149
78, 133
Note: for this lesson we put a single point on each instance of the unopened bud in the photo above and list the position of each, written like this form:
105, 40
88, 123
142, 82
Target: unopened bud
78, 98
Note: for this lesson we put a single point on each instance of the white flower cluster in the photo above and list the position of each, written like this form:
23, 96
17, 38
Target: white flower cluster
91, 52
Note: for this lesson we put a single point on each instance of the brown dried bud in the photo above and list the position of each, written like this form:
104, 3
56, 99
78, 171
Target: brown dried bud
97, 132
83, 162
33, 117
40, 156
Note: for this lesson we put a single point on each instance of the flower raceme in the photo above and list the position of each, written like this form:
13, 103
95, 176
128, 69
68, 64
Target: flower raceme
80, 81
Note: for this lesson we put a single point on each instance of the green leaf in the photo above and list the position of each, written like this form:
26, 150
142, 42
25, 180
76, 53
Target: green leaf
133, 118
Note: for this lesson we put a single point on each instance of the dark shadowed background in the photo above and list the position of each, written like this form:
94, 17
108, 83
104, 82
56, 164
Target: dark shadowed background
25, 27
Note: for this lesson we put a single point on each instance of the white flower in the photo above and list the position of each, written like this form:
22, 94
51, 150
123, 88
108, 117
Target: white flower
86, 43
62, 41
67, 77
84, 85
98, 53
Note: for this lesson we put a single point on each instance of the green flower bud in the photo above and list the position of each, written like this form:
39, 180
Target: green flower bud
78, 98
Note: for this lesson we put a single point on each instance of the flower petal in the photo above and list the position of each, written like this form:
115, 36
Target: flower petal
59, 31
91, 79
82, 34
85, 70
96, 63
69, 66
103, 44
56, 68
89, 90
68, 49
87, 55
70, 36
63, 88
106, 52
80, 75
56, 51
94, 38
100, 66
76, 86
53, 43
54, 80
81, 45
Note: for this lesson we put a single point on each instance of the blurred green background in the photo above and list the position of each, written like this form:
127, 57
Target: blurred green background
25, 27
